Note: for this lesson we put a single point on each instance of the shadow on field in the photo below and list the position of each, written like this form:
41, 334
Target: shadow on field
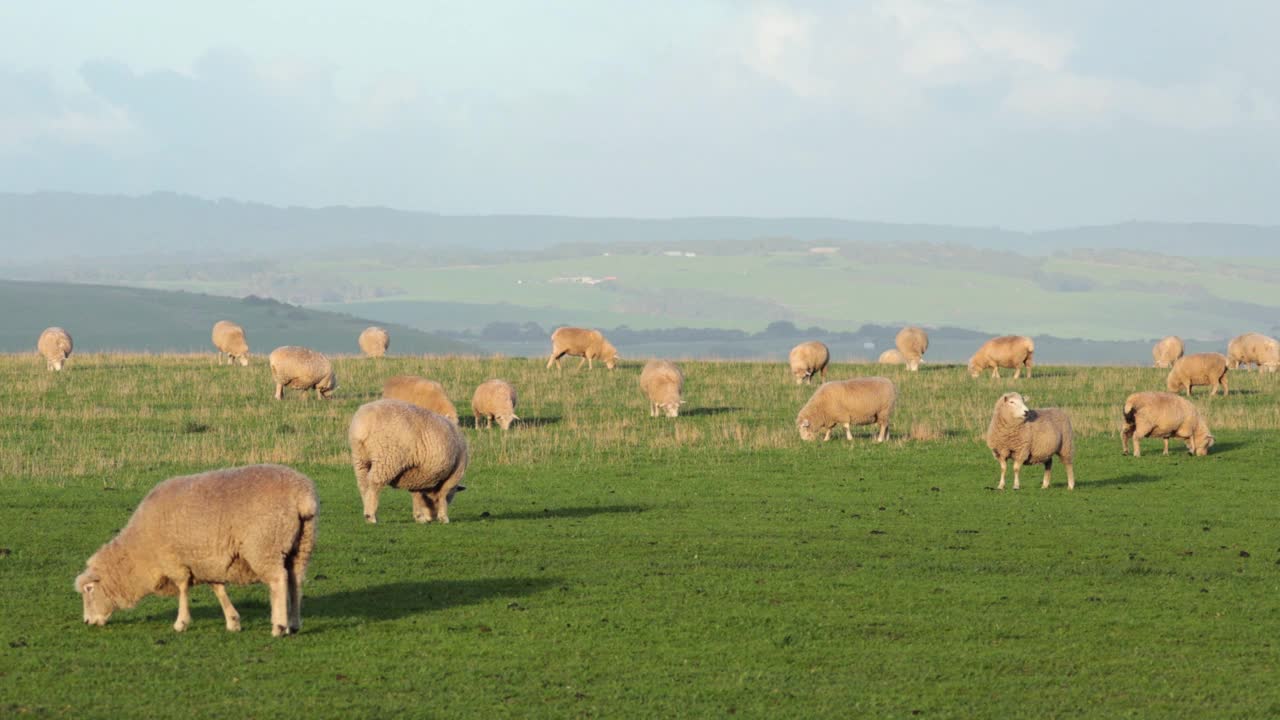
1221, 447
1131, 479
568, 512
400, 599
695, 412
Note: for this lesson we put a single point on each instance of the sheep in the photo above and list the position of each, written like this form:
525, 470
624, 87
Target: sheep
662, 382
860, 401
1008, 351
1167, 351
55, 345
494, 400
402, 445
1254, 349
1199, 369
374, 342
590, 345
808, 358
1030, 437
1164, 415
302, 369
422, 392
891, 357
235, 525
228, 337
912, 342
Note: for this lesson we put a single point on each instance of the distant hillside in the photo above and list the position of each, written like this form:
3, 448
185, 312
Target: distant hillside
103, 317
53, 226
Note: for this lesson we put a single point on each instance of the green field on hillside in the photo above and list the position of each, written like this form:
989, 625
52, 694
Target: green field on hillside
603, 563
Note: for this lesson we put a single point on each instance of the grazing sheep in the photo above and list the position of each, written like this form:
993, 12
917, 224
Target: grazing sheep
424, 393
1030, 437
1254, 349
808, 358
494, 400
1199, 369
912, 342
302, 369
55, 345
589, 345
1167, 351
235, 525
1007, 351
1164, 415
662, 382
374, 342
402, 445
891, 357
860, 401
228, 337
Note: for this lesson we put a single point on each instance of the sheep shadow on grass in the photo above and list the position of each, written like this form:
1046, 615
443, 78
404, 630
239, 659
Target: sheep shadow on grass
699, 411
401, 599
565, 513
1130, 479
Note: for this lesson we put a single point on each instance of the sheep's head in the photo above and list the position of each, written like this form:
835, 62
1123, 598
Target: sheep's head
610, 355
1171, 383
243, 360
328, 385
1201, 439
1012, 406
97, 605
974, 370
808, 432
671, 408
57, 362
504, 421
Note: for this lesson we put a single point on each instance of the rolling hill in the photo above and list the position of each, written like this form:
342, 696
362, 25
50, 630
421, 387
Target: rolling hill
105, 318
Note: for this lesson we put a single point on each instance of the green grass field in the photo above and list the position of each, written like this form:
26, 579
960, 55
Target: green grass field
604, 563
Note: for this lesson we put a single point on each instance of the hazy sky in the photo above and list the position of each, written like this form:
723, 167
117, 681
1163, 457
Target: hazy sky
1019, 114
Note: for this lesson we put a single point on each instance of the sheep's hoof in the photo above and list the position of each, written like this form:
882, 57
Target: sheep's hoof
279, 631
371, 519
233, 624
423, 519
294, 629
179, 626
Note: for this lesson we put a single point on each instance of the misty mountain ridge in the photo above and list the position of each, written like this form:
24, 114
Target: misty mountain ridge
45, 226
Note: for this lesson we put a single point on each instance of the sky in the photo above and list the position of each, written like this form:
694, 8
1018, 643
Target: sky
985, 113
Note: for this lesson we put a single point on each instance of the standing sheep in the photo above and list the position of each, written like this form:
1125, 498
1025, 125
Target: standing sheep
662, 382
912, 342
1254, 349
374, 342
860, 401
1007, 351
228, 337
1030, 437
1199, 369
302, 369
1167, 351
55, 345
891, 357
494, 400
1164, 415
426, 394
590, 345
808, 358
404, 446
235, 525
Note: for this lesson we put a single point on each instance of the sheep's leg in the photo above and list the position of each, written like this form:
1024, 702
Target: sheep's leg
1125, 434
278, 585
1004, 467
1071, 475
827, 436
848, 431
653, 409
995, 373
1028, 370
582, 362
228, 610
184, 603
1017, 473
1166, 446
1017, 372
884, 431
295, 599
824, 373
1048, 467
440, 503
279, 391
1225, 389
422, 509
368, 491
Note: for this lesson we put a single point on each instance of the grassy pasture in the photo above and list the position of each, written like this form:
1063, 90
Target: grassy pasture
603, 563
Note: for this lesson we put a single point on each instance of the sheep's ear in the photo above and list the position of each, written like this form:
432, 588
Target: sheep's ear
86, 581
459, 488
